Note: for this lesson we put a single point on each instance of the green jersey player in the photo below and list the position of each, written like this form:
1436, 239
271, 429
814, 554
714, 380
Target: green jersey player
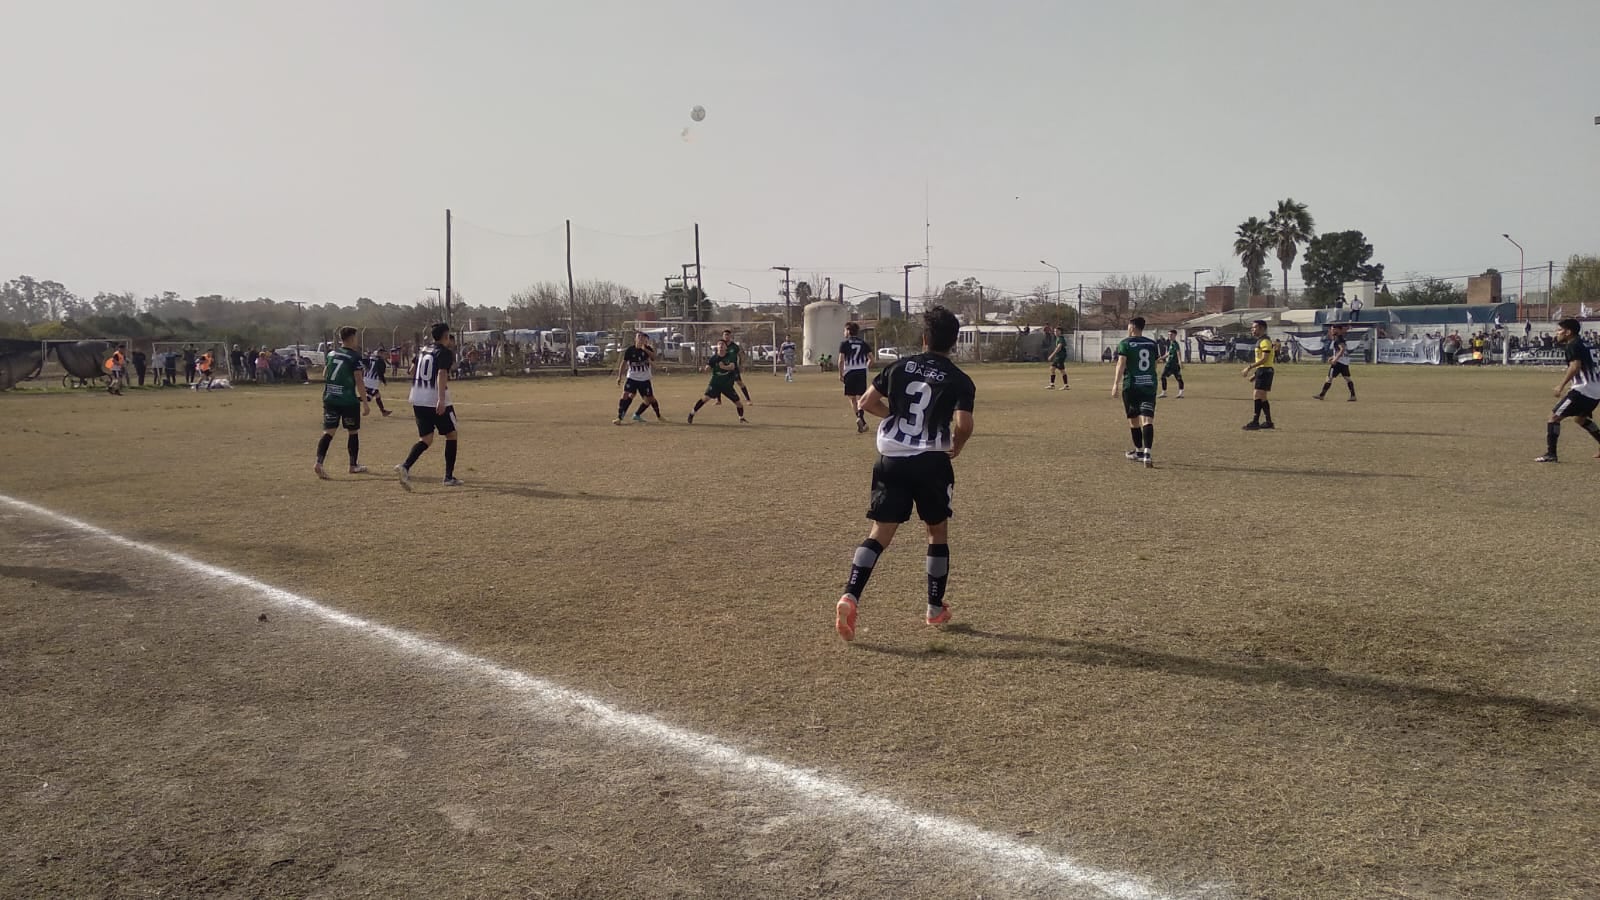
723, 372
342, 400
1058, 363
1136, 382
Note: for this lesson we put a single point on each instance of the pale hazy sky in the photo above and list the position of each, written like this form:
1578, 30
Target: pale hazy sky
307, 150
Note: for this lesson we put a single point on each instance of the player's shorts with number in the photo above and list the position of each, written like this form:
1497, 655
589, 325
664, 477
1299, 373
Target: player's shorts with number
1139, 402
926, 481
1577, 405
855, 383
642, 388
334, 416
430, 420
1263, 379
1338, 370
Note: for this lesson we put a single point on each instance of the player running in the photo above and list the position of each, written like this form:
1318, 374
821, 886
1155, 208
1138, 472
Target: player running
373, 380
1135, 379
430, 403
735, 351
1583, 373
1338, 361
1172, 364
854, 356
1058, 363
634, 374
1262, 370
926, 405
342, 403
721, 385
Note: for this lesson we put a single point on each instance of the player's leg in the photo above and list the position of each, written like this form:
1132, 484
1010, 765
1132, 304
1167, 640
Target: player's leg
737, 406
1052, 385
451, 441
739, 380
710, 394
1137, 433
935, 494
1350, 383
938, 566
622, 405
1164, 373
352, 444
1587, 423
1147, 426
330, 424
1327, 383
1178, 374
890, 506
426, 426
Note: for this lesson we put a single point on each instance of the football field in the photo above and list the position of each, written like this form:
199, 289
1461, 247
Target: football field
1356, 656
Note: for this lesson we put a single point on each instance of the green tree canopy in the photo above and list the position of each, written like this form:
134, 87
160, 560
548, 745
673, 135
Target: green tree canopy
1333, 259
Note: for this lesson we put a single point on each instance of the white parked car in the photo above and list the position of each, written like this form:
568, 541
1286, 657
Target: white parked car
589, 354
888, 354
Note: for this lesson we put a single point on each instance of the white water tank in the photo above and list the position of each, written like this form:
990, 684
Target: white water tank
824, 329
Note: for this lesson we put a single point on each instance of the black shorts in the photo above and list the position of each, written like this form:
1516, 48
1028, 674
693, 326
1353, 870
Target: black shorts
713, 392
429, 420
1058, 364
1263, 380
927, 481
855, 385
334, 416
372, 393
1576, 405
1139, 402
1338, 370
642, 388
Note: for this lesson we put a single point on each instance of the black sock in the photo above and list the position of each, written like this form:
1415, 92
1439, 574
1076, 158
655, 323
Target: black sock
938, 572
1266, 410
1138, 437
1180, 381
1351, 385
697, 404
641, 409
1052, 376
1163, 384
1149, 437
1257, 418
1325, 386
449, 459
381, 407
1593, 429
738, 408
860, 416
861, 567
655, 406
353, 444
1552, 433
322, 447
746, 391
417, 450
622, 407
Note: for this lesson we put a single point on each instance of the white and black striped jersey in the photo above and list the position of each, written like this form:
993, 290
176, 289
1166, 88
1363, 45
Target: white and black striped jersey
1587, 381
854, 354
638, 364
425, 375
923, 392
374, 370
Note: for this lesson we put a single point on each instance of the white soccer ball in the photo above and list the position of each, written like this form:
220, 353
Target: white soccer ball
698, 114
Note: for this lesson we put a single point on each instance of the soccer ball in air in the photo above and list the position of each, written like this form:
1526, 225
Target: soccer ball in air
698, 114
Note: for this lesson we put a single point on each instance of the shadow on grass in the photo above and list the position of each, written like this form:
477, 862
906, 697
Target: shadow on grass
1097, 653
532, 492
68, 579
1269, 470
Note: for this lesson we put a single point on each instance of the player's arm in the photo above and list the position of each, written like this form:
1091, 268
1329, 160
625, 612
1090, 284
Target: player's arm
961, 426
1116, 378
1573, 369
874, 403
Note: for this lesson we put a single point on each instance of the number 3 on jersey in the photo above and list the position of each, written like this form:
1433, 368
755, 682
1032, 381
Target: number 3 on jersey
921, 395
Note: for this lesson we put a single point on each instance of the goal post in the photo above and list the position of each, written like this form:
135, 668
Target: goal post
689, 343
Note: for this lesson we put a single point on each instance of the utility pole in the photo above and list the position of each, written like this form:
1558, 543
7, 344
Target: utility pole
1197, 274
1078, 325
699, 273
1522, 274
907, 270
448, 257
788, 318
572, 307
1550, 289
977, 337
686, 296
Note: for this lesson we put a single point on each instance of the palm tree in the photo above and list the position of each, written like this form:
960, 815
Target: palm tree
1291, 226
1252, 242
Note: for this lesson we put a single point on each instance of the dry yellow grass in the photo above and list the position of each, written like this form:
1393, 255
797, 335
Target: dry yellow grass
1353, 657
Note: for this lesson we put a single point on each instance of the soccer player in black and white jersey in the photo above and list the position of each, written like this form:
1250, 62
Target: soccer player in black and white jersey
634, 374
430, 403
372, 380
926, 405
854, 356
1338, 361
1583, 373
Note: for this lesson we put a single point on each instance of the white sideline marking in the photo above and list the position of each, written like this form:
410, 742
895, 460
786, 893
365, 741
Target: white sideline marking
1006, 855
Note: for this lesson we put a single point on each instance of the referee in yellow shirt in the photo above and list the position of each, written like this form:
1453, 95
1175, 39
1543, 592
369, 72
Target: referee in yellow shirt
1262, 370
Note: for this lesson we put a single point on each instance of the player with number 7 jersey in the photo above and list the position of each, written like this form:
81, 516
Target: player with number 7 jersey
926, 404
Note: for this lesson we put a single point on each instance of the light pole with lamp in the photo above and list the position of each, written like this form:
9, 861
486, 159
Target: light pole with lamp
1197, 274
906, 269
1522, 273
749, 298
1077, 325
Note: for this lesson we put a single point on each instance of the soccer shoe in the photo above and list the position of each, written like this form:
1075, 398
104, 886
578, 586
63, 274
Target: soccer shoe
386, 412
861, 426
1352, 399
1131, 455
1180, 394
1317, 396
691, 418
1252, 426
938, 615
1050, 387
1066, 387
1548, 457
1268, 426
405, 476
844, 617
453, 482
637, 418
1148, 462
617, 421
358, 470
743, 421
321, 472
1161, 396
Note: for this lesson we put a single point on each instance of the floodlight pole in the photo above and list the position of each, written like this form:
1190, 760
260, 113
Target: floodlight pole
1522, 273
749, 298
788, 317
1197, 274
906, 270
